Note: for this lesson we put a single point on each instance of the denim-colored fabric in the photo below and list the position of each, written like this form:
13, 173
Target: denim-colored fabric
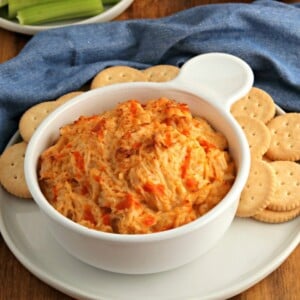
266, 34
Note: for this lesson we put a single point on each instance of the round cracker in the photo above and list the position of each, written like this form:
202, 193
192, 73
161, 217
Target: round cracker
12, 175
117, 74
257, 104
32, 118
161, 73
257, 134
270, 216
258, 191
285, 137
287, 191
66, 97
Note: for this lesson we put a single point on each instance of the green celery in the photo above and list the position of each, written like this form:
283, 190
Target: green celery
58, 11
110, 2
4, 12
15, 5
3, 2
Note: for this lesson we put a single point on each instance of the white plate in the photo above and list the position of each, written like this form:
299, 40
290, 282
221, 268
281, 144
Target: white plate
249, 251
110, 13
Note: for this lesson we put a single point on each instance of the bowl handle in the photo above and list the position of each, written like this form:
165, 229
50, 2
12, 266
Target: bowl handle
226, 78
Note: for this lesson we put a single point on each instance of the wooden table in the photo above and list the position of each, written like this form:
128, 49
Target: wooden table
16, 283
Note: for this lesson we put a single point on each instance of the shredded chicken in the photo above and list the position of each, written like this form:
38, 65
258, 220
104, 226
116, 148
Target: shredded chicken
139, 168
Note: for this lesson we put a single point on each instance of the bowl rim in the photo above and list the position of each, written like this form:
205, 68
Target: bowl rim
50, 211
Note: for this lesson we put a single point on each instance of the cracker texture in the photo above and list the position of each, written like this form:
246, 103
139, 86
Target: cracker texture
66, 97
274, 217
285, 137
12, 175
117, 74
161, 73
33, 117
257, 104
287, 191
257, 134
258, 191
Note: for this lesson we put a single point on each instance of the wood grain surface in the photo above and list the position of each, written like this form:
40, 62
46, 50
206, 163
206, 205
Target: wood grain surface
16, 283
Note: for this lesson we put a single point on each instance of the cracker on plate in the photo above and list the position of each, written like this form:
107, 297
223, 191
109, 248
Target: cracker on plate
117, 74
285, 137
257, 134
32, 118
66, 97
257, 104
287, 191
270, 216
161, 73
258, 191
12, 175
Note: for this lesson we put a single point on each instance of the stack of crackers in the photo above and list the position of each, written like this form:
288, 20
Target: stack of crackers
273, 186
272, 191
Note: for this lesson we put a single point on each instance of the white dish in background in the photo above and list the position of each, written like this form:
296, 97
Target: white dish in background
249, 251
110, 13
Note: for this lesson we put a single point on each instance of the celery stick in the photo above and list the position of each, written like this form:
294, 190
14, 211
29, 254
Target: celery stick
15, 5
4, 12
3, 2
110, 2
58, 11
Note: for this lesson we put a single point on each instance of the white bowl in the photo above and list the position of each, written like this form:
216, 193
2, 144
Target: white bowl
208, 84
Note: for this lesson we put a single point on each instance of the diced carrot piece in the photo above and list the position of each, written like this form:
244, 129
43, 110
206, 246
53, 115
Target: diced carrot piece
84, 190
106, 219
168, 140
79, 160
186, 132
191, 184
183, 107
136, 145
148, 220
88, 215
206, 145
99, 128
133, 107
126, 203
155, 189
186, 163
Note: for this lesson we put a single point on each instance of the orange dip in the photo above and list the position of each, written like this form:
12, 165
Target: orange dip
139, 168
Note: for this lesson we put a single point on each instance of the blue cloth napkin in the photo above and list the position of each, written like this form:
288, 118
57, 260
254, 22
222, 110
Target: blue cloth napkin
266, 34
